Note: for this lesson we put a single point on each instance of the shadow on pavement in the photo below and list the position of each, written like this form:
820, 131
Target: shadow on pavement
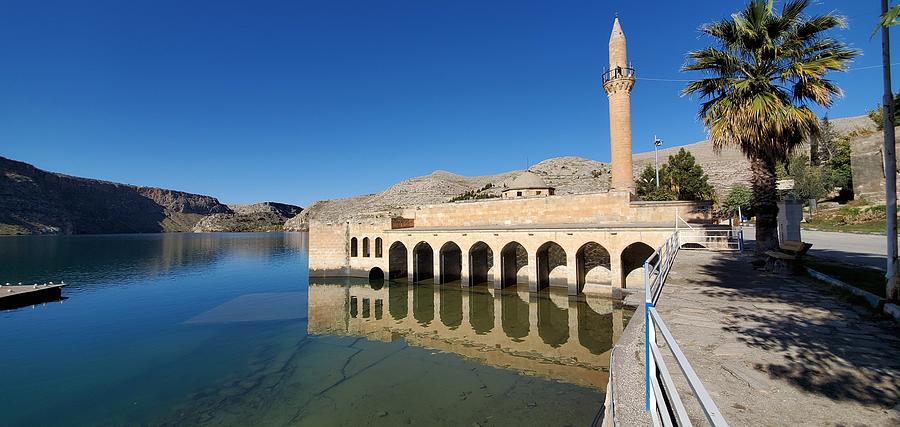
827, 345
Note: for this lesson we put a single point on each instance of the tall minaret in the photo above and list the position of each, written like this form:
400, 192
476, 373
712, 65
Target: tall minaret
618, 82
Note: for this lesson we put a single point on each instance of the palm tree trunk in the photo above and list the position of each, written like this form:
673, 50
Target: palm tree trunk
765, 204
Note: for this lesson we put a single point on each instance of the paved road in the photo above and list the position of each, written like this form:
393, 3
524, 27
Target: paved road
863, 249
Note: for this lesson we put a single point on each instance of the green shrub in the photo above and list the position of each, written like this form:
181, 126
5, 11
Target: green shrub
681, 178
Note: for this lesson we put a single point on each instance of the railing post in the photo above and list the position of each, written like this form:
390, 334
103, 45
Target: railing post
648, 303
647, 355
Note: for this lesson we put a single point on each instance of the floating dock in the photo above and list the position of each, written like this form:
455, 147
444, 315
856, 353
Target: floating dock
15, 296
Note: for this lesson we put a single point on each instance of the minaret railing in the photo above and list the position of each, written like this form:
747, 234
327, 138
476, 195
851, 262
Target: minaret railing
617, 73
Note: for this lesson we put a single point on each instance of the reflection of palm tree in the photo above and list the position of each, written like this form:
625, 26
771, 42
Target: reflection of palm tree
761, 76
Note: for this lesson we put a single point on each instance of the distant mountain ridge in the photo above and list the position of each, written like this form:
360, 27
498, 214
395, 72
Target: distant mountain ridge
34, 201
266, 216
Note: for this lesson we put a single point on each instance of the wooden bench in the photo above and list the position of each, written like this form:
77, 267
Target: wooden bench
785, 259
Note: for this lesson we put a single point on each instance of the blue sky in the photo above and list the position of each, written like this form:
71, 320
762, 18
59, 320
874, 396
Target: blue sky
297, 101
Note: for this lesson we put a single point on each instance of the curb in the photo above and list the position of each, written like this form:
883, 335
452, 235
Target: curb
872, 300
864, 233
892, 310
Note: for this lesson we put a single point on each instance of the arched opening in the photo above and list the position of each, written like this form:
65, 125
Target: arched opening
481, 310
549, 256
353, 247
423, 304
513, 315
595, 331
365, 248
451, 306
397, 268
481, 260
376, 274
513, 257
423, 262
376, 278
633, 257
593, 265
692, 246
451, 263
379, 308
378, 251
398, 301
553, 322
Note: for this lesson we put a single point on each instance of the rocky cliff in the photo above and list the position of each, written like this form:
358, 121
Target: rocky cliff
33, 201
266, 216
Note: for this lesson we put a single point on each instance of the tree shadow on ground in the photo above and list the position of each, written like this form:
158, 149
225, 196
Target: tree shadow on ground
827, 345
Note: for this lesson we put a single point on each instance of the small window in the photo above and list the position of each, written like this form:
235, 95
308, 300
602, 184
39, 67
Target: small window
365, 247
353, 247
539, 192
378, 252
518, 194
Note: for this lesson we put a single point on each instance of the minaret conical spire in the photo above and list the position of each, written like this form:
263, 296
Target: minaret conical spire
618, 56
618, 82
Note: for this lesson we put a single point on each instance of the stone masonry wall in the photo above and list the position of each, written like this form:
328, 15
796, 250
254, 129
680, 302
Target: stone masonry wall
596, 208
867, 165
609, 220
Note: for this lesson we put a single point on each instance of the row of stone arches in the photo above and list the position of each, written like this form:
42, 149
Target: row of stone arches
591, 259
505, 309
354, 247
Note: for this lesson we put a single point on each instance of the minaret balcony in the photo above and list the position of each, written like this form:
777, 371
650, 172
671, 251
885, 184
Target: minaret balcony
618, 73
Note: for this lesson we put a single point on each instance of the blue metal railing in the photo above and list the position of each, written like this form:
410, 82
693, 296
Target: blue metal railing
662, 399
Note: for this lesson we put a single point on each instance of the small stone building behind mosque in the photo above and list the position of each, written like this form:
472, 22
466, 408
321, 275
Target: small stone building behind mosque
526, 184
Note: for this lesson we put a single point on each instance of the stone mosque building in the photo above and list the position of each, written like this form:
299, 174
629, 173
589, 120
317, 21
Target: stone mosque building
529, 237
526, 184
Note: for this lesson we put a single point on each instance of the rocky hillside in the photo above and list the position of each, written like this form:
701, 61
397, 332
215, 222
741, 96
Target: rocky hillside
725, 169
569, 175
266, 216
729, 167
33, 201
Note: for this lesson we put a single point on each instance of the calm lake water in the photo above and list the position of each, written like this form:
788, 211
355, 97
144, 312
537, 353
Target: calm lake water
226, 329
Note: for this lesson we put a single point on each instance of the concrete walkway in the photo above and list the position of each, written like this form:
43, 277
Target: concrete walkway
779, 351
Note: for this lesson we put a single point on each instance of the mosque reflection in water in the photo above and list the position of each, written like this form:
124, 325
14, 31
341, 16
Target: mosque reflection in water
550, 334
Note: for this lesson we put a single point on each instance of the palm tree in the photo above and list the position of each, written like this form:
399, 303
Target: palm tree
891, 17
764, 70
